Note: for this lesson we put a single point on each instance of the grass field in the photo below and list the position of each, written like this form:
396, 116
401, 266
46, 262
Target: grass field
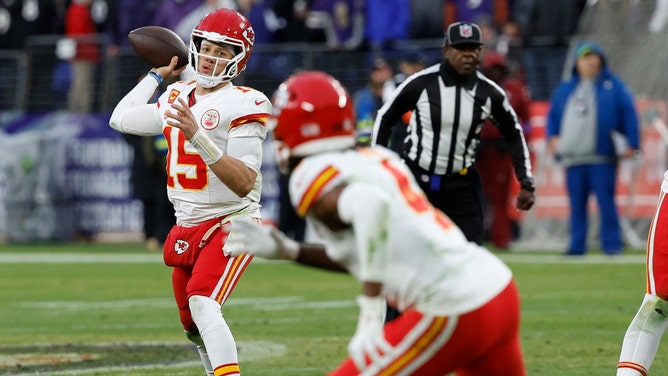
80, 309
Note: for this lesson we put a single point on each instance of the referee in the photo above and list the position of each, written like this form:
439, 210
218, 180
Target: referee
448, 105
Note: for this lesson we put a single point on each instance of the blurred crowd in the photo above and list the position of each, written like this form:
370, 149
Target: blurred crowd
93, 63
385, 40
375, 26
342, 24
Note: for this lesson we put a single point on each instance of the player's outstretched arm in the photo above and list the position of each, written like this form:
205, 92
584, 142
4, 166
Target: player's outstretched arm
247, 236
133, 114
368, 340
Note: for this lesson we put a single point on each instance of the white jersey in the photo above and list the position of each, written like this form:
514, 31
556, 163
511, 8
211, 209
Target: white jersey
229, 112
428, 264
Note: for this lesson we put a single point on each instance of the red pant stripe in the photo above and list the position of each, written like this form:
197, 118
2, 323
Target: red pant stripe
233, 271
417, 348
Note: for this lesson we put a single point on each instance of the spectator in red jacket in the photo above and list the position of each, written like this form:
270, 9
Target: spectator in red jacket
494, 162
80, 28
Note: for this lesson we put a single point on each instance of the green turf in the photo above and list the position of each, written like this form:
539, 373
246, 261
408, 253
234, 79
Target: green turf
287, 319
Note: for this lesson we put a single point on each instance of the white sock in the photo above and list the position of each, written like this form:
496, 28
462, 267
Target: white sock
628, 372
203, 355
216, 335
643, 337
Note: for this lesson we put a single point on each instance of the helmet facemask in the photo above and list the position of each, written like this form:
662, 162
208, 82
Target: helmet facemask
231, 69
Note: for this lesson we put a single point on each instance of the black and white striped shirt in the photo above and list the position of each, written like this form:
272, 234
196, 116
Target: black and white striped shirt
448, 112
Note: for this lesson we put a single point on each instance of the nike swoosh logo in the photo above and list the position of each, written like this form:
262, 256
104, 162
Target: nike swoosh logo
257, 103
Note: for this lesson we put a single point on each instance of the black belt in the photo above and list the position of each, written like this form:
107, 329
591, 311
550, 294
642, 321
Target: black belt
434, 180
415, 167
461, 172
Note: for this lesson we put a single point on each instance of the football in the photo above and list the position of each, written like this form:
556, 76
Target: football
156, 45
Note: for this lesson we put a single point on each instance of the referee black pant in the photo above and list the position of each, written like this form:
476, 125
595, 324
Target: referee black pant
458, 195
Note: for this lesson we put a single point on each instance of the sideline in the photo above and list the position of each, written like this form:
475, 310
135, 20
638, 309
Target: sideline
156, 258
92, 258
80, 258
521, 258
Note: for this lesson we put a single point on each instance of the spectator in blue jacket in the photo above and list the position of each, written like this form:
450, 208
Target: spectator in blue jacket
589, 115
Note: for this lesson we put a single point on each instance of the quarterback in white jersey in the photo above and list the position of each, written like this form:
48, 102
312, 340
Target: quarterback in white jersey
194, 189
459, 304
214, 132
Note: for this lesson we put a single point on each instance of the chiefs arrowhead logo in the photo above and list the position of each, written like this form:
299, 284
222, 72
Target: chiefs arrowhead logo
181, 246
249, 35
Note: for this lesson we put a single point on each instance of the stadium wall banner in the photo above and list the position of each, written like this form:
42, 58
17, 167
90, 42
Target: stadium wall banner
64, 175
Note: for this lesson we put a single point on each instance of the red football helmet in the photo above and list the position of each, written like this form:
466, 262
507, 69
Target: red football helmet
313, 112
223, 26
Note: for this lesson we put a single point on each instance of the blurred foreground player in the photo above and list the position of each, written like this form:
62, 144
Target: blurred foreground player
459, 303
214, 131
644, 333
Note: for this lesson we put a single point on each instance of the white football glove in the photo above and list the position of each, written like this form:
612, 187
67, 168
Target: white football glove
369, 339
248, 236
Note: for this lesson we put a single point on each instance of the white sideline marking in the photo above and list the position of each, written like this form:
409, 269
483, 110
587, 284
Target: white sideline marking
281, 303
150, 258
91, 258
519, 258
79, 258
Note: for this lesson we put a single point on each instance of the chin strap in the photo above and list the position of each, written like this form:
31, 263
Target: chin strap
207, 82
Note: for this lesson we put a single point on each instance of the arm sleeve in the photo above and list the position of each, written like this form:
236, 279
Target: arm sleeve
246, 149
367, 210
245, 144
134, 115
402, 99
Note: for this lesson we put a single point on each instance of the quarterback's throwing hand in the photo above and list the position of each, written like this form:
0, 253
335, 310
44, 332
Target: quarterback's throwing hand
248, 236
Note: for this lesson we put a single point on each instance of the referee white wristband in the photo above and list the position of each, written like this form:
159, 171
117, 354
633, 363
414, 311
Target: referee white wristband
209, 152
